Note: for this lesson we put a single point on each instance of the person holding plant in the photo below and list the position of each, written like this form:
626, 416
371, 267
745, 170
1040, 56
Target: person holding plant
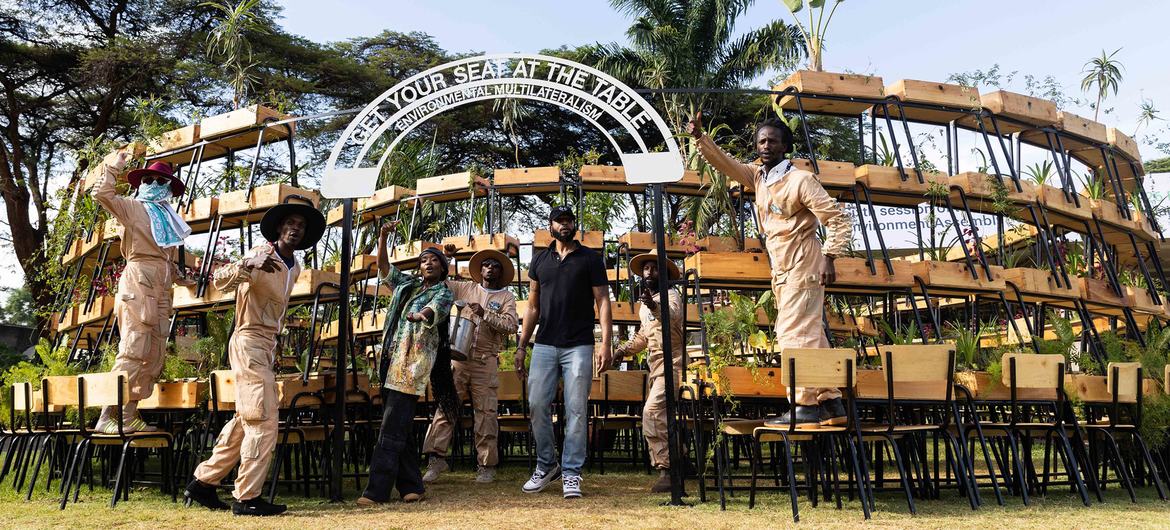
649, 337
491, 307
263, 281
153, 231
414, 351
790, 204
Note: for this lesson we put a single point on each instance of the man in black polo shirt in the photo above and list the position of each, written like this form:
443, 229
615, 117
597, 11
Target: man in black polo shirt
566, 282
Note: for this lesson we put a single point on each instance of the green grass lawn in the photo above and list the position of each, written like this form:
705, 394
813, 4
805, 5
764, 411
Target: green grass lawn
614, 500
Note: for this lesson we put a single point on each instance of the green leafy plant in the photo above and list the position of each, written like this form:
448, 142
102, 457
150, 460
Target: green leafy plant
1102, 74
967, 342
228, 42
906, 335
816, 28
1039, 172
1092, 187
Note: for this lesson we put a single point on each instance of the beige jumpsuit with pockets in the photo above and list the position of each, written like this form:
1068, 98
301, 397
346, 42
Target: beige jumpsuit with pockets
143, 302
478, 377
250, 436
789, 208
649, 336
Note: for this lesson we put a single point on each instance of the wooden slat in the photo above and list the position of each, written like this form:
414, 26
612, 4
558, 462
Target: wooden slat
741, 382
1032, 370
62, 390
624, 386
828, 83
818, 367
101, 389
174, 395
1127, 384
225, 386
529, 179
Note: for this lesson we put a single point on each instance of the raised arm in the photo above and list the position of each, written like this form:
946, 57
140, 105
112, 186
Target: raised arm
718, 158
107, 175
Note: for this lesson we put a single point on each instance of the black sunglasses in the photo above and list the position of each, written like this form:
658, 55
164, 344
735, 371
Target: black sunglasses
150, 179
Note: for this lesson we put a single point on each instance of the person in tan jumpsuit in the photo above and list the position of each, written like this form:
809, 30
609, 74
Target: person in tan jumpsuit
492, 307
790, 203
143, 301
649, 337
263, 281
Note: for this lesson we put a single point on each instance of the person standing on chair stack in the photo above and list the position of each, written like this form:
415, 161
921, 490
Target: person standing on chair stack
152, 233
492, 308
566, 281
789, 204
263, 281
649, 336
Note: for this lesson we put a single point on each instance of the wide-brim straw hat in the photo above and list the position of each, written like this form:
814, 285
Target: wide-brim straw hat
476, 265
640, 260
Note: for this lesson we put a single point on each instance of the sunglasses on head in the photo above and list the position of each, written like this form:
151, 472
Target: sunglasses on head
150, 179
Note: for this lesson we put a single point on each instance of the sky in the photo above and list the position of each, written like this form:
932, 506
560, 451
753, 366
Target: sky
918, 39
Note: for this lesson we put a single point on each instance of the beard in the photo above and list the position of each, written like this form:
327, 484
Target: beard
564, 238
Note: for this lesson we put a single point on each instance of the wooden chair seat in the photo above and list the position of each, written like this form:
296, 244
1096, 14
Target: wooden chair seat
1105, 425
740, 427
898, 428
302, 433
137, 439
801, 434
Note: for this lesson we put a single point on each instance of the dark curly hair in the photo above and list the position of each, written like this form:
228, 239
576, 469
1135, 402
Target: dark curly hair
775, 123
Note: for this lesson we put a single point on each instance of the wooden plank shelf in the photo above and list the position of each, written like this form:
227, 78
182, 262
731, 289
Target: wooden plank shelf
842, 175
980, 191
1038, 285
175, 139
185, 299
1026, 109
1053, 199
729, 244
453, 187
405, 256
1100, 293
102, 308
307, 283
384, 201
864, 88
640, 242
200, 214
692, 184
1123, 143
947, 276
541, 239
1139, 299
730, 269
237, 206
853, 275
466, 246
607, 178
850, 324
956, 99
361, 267
887, 187
526, 180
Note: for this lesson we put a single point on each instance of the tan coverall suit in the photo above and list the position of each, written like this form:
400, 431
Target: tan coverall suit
143, 302
478, 377
789, 208
649, 336
250, 436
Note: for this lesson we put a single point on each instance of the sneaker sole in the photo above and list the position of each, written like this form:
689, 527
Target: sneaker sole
545, 485
572, 495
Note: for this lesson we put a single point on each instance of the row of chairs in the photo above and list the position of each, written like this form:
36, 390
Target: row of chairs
911, 406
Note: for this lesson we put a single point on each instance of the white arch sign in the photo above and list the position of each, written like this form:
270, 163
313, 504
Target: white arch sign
583, 90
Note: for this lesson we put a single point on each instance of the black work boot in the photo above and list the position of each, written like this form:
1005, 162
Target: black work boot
257, 506
802, 414
833, 412
204, 494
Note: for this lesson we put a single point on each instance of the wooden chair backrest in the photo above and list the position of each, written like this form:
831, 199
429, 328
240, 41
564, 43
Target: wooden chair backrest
511, 388
818, 367
22, 397
62, 390
224, 383
104, 389
624, 386
1033, 371
1166, 379
919, 371
1127, 383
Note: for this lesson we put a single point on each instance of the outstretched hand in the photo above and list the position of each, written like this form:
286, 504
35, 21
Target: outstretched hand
387, 228
695, 126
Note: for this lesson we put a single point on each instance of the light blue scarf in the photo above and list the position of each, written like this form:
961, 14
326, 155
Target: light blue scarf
166, 226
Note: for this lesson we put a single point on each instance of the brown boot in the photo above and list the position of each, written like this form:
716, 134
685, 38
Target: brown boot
662, 485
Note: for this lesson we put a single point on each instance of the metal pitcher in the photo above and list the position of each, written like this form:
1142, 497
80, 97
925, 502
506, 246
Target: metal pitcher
462, 333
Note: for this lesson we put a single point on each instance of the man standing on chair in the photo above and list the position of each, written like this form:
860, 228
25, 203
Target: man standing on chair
263, 281
492, 309
567, 281
152, 233
649, 337
789, 204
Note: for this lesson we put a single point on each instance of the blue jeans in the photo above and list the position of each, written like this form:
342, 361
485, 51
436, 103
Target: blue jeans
575, 365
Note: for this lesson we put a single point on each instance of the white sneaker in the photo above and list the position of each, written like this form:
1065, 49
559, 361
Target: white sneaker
540, 479
571, 486
435, 467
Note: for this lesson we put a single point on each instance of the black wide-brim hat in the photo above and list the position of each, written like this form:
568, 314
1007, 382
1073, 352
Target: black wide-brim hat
314, 221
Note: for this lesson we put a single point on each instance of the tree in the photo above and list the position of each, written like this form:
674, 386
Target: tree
18, 309
228, 41
1102, 74
691, 44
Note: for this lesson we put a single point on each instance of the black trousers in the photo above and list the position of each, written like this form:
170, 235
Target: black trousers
396, 459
